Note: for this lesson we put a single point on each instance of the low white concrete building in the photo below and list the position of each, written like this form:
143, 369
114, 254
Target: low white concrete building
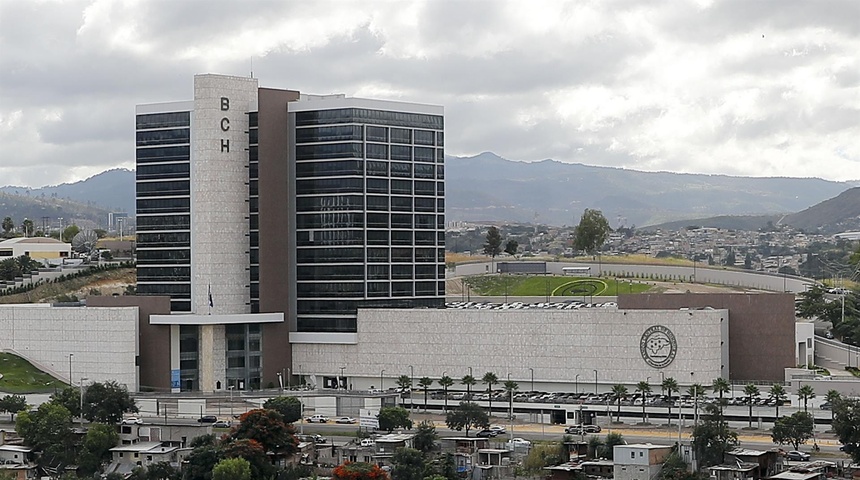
639, 461
37, 248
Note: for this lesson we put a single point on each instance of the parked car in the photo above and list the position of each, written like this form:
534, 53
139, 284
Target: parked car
826, 406
500, 430
132, 421
344, 420
208, 419
519, 442
486, 433
581, 429
222, 424
367, 442
318, 418
797, 456
848, 448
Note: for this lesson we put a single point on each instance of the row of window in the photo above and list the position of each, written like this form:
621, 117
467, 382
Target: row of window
365, 115
379, 254
374, 134
163, 205
163, 257
164, 188
373, 185
163, 137
336, 219
163, 222
374, 272
180, 153
163, 120
164, 239
163, 170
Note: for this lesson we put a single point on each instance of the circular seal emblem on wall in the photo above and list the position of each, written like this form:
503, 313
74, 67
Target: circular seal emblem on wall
658, 346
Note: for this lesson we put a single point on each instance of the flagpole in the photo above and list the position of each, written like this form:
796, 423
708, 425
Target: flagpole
210, 299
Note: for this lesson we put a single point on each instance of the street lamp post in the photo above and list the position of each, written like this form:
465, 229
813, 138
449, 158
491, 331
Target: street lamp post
280, 381
83, 379
533, 378
595, 380
576, 384
381, 386
340, 379
662, 379
71, 382
231, 387
289, 379
411, 386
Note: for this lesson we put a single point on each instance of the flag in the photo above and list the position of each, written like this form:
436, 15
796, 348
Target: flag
211, 304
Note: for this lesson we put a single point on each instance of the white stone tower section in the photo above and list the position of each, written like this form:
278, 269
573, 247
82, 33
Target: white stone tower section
219, 194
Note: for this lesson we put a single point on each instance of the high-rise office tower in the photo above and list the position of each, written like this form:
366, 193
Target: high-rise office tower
255, 201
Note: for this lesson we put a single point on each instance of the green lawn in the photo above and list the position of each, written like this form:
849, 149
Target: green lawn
20, 376
538, 286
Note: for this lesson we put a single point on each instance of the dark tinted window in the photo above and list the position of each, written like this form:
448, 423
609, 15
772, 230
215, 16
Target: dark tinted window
163, 120
163, 137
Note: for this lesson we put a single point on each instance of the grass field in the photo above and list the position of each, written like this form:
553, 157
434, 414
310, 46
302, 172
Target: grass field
537, 286
20, 376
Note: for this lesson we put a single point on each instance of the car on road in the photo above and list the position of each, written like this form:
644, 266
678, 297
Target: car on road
318, 418
486, 433
344, 420
582, 429
848, 448
519, 442
500, 430
222, 424
797, 456
207, 419
132, 421
367, 442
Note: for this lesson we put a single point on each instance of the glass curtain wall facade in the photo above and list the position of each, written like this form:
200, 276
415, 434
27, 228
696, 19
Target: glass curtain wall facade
370, 213
254, 209
163, 143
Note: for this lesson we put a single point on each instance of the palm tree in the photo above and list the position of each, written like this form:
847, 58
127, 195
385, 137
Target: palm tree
425, 382
490, 379
806, 393
670, 385
751, 391
778, 394
618, 392
833, 397
404, 382
468, 381
720, 387
644, 389
446, 382
510, 387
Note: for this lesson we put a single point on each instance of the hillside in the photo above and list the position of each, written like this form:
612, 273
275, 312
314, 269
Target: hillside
36, 208
111, 190
99, 283
841, 212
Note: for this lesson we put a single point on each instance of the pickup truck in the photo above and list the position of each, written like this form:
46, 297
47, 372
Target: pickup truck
318, 418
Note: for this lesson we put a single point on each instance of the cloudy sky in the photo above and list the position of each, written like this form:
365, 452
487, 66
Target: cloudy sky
753, 88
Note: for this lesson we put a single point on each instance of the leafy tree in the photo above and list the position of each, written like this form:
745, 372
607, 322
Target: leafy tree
408, 464
289, 407
49, 429
13, 404
751, 391
846, 424
393, 417
669, 385
619, 391
232, 469
95, 450
424, 383
643, 388
252, 451
609, 444
69, 397
493, 243
796, 429
721, 386
832, 397
712, 437
592, 231
8, 225
358, 471
162, 471
490, 379
511, 387
267, 427
469, 381
778, 394
404, 382
446, 382
107, 402
200, 462
541, 456
511, 247
674, 468
805, 393
425, 437
466, 416
70, 232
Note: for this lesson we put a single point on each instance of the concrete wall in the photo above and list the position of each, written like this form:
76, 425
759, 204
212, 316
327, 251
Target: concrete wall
103, 340
761, 332
562, 347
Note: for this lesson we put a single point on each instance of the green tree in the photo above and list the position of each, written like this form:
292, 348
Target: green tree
670, 385
95, 451
846, 424
592, 231
424, 383
511, 247
805, 393
511, 387
493, 243
619, 391
201, 461
404, 382
796, 429
48, 428
712, 437
832, 397
446, 382
8, 225
643, 389
394, 417
469, 381
778, 394
250, 450
27, 227
107, 402
162, 471
408, 464
289, 407
609, 444
721, 386
466, 416
751, 391
541, 456
490, 379
425, 437
232, 469
266, 427
697, 391
13, 404
70, 232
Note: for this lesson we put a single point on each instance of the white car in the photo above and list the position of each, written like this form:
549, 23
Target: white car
132, 421
367, 442
318, 418
500, 430
519, 442
344, 420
